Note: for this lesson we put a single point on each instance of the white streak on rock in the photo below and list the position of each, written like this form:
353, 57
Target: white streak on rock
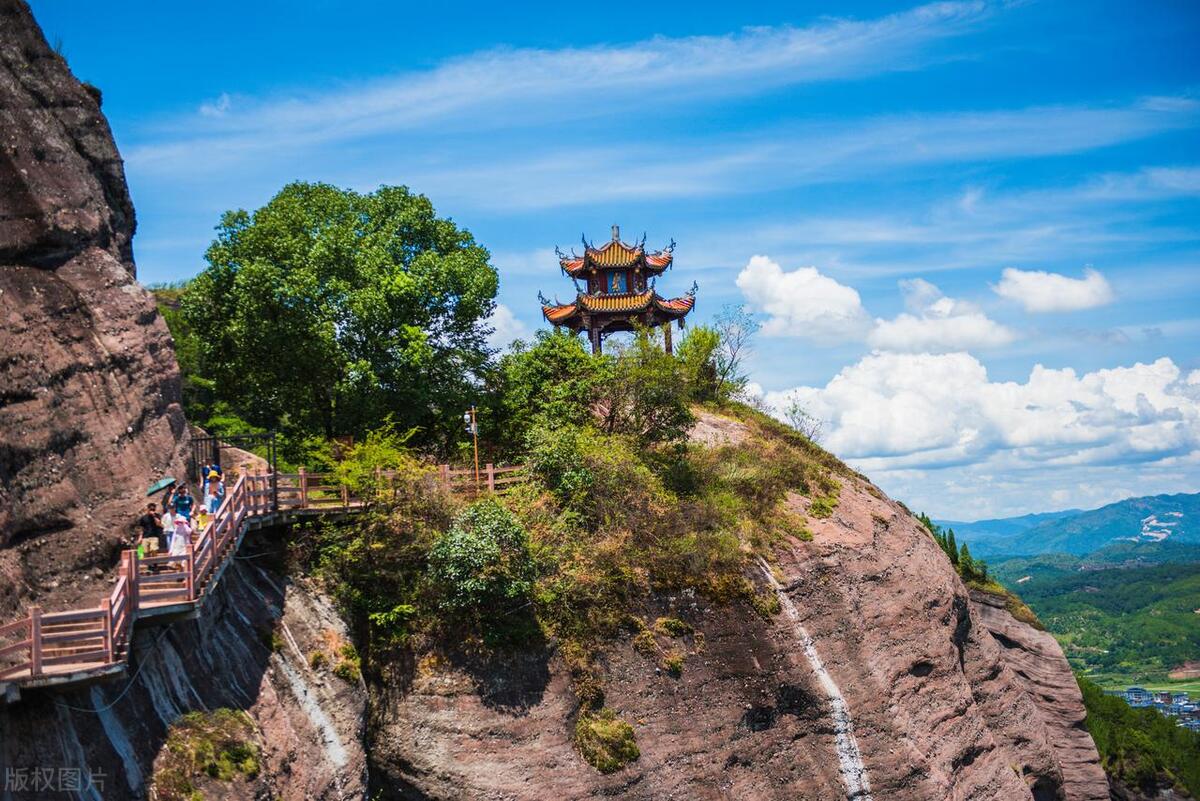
854, 773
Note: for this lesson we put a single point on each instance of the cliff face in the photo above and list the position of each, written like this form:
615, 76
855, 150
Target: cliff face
250, 650
880, 678
89, 388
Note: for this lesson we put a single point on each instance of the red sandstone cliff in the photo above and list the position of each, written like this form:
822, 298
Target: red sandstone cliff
89, 388
946, 698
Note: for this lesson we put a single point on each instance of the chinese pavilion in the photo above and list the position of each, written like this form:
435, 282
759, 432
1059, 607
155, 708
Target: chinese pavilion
615, 291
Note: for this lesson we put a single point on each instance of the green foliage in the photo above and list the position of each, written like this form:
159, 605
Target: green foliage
736, 328
972, 571
348, 670
1142, 748
644, 395
1125, 624
482, 566
326, 310
376, 566
551, 382
217, 745
766, 604
605, 741
823, 506
697, 355
361, 466
672, 627
317, 660
673, 663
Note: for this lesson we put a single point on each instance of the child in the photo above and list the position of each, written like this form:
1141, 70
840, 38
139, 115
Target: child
201, 519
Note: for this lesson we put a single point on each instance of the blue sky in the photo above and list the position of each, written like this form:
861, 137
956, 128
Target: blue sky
861, 175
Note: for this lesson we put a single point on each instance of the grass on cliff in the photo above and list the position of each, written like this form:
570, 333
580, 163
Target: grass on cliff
203, 747
605, 741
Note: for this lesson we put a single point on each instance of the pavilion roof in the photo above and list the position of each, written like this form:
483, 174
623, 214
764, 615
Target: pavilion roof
630, 302
616, 254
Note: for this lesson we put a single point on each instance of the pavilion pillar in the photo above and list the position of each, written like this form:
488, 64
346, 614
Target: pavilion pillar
594, 335
667, 338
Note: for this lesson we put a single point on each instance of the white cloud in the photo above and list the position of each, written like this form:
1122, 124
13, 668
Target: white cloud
506, 327
803, 303
216, 108
937, 324
893, 411
1040, 291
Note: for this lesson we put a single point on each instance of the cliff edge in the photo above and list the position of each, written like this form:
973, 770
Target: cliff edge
89, 388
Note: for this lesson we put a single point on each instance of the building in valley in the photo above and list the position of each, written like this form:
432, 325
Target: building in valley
615, 291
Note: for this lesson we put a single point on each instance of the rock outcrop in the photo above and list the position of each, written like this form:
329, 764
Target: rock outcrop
251, 649
89, 388
1038, 663
879, 657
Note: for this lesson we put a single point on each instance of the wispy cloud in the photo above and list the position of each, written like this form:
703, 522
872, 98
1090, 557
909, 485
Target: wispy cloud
522, 87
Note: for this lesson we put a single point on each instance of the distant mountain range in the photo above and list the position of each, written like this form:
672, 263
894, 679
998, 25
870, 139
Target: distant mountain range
1166, 519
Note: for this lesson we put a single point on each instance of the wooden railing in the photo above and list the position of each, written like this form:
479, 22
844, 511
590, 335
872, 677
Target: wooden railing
65, 647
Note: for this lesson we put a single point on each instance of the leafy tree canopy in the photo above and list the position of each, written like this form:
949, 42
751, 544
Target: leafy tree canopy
326, 310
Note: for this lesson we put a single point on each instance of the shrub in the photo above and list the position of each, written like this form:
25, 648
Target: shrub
645, 644
217, 745
482, 564
673, 663
605, 741
766, 604
823, 506
317, 660
672, 627
348, 670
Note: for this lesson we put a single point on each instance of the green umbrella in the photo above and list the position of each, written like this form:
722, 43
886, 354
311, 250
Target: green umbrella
160, 485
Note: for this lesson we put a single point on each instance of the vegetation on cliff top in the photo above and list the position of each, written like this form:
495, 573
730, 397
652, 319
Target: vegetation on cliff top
620, 508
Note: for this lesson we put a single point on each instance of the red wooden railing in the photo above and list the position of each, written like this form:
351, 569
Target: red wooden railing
74, 645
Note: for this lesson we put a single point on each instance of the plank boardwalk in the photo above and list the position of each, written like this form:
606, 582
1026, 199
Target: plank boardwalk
65, 649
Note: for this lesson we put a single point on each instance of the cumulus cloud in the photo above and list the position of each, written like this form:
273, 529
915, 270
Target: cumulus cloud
896, 411
937, 323
505, 327
1040, 291
807, 304
803, 302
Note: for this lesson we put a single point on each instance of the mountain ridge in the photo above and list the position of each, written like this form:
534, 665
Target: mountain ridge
1171, 518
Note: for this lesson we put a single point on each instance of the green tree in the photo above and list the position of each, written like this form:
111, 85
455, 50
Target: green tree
697, 355
327, 310
952, 547
552, 381
644, 395
482, 565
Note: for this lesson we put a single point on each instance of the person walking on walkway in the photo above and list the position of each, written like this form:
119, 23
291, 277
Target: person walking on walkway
216, 492
183, 503
147, 527
182, 536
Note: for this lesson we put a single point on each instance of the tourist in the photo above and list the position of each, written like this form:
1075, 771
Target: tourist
201, 518
148, 528
167, 521
182, 536
183, 503
216, 492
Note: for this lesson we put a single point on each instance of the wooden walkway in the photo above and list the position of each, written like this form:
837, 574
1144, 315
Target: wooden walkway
63, 649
